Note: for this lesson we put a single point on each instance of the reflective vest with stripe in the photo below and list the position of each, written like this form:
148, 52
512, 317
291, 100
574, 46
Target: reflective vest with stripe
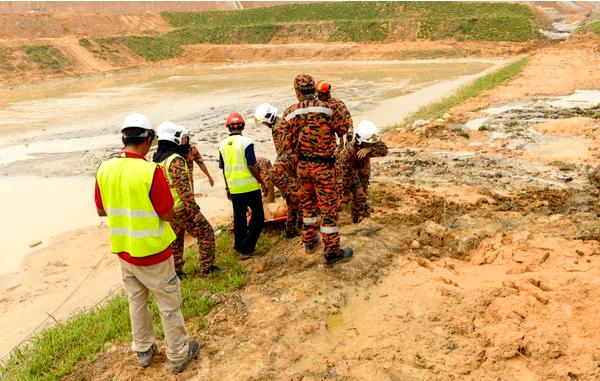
238, 176
134, 226
165, 165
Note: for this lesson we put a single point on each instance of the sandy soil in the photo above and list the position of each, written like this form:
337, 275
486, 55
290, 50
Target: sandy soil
555, 70
480, 262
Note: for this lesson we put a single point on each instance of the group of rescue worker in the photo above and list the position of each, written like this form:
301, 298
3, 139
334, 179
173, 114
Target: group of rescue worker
322, 162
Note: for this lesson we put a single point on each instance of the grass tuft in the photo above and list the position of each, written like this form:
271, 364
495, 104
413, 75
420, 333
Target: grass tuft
47, 57
56, 351
436, 110
152, 48
593, 27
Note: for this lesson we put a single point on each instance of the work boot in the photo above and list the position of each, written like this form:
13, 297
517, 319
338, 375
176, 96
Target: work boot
310, 248
344, 255
193, 351
253, 254
145, 358
291, 233
210, 270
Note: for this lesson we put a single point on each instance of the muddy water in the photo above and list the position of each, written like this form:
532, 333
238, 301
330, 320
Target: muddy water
36, 209
65, 128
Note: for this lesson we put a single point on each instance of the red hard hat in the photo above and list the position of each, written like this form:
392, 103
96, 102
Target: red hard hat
323, 87
235, 117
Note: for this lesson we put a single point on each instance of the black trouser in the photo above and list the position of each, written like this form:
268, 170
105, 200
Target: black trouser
246, 235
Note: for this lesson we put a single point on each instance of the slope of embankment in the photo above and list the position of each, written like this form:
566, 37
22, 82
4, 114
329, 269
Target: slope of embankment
41, 45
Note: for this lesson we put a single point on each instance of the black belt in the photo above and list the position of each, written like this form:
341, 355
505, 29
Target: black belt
330, 160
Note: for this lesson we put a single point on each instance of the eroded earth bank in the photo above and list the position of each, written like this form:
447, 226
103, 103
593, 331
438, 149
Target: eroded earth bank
480, 261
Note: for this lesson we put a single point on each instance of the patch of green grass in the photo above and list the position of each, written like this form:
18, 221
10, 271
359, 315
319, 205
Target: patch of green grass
484, 127
55, 351
365, 21
85, 43
436, 110
220, 34
293, 13
152, 48
593, 27
363, 30
47, 57
106, 49
337, 21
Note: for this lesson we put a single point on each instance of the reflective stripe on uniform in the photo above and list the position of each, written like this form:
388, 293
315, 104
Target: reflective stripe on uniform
329, 229
139, 233
309, 220
130, 213
166, 166
308, 110
135, 228
239, 182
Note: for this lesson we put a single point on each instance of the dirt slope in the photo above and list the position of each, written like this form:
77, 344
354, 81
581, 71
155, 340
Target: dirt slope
480, 262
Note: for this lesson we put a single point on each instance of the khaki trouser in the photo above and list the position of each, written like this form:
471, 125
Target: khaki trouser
164, 284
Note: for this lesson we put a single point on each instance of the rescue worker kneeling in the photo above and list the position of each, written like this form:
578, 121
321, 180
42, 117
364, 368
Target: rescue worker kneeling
354, 163
283, 174
187, 215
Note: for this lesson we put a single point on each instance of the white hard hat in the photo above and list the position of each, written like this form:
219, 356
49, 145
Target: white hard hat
265, 113
137, 120
184, 131
367, 132
170, 131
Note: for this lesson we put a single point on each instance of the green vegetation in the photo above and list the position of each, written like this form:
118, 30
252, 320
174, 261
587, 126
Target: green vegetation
55, 351
47, 57
436, 110
359, 21
474, 21
104, 48
152, 48
334, 21
85, 43
593, 27
222, 34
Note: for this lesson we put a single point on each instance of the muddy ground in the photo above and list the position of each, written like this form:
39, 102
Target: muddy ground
480, 261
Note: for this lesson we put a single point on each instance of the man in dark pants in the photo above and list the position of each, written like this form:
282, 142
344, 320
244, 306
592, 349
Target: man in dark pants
243, 184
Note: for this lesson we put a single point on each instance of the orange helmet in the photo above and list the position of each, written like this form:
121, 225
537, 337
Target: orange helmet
323, 87
235, 118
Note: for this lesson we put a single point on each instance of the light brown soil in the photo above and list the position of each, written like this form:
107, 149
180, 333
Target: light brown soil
555, 70
479, 263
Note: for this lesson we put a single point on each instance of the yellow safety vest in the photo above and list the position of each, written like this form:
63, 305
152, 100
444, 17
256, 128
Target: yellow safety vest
165, 165
134, 226
238, 176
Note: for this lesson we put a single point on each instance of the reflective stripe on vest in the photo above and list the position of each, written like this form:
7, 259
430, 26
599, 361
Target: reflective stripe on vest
134, 226
165, 165
238, 176
308, 110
